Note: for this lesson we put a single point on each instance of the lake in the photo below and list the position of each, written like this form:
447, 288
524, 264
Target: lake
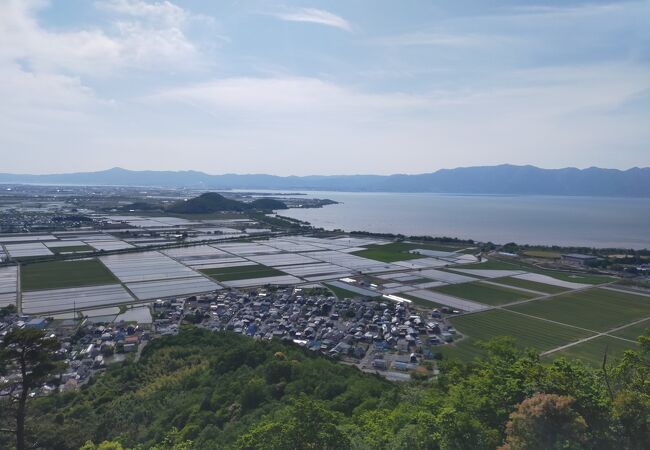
579, 221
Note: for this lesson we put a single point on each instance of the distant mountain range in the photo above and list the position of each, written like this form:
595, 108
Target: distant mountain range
503, 179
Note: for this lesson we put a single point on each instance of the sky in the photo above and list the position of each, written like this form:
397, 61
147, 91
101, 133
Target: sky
336, 87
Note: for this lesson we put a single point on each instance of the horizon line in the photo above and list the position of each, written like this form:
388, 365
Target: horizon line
325, 175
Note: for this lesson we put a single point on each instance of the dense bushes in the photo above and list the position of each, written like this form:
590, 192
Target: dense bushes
229, 391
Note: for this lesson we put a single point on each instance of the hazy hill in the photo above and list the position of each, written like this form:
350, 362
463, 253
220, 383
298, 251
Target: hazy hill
212, 202
503, 179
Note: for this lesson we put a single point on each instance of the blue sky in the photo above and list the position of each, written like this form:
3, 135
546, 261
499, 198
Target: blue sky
337, 87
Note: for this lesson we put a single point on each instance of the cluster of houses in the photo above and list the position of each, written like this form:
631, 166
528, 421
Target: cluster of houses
351, 329
381, 336
85, 350
94, 345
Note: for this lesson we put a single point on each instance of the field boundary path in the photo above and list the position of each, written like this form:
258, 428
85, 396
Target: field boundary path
19, 291
604, 333
594, 334
534, 299
516, 288
553, 321
624, 291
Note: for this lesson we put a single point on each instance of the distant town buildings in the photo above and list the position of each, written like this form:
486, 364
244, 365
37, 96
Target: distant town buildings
577, 259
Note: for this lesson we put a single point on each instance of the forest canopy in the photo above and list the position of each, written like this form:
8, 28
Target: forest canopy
221, 390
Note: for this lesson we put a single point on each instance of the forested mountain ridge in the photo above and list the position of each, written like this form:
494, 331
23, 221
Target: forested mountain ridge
503, 179
222, 390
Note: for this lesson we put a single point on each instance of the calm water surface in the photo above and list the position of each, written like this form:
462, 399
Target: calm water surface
581, 221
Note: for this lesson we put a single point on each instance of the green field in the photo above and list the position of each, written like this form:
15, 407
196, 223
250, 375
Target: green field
594, 309
483, 293
65, 274
491, 264
502, 264
72, 249
341, 293
528, 332
543, 254
242, 272
417, 281
575, 277
431, 246
634, 331
532, 285
465, 350
592, 351
397, 251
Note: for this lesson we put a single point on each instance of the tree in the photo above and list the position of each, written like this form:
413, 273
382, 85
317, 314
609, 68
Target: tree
458, 430
633, 371
171, 441
632, 410
309, 425
28, 353
545, 422
106, 445
6, 310
632, 401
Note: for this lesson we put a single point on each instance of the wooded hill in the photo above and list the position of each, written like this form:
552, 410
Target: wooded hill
203, 390
211, 202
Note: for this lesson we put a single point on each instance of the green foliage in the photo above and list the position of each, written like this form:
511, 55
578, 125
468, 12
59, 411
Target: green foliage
306, 424
207, 390
7, 310
171, 441
213, 387
544, 422
26, 354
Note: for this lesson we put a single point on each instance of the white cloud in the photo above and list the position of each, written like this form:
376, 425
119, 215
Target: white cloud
298, 98
162, 12
128, 43
587, 9
550, 117
440, 39
45, 73
286, 125
36, 106
543, 92
470, 90
313, 15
